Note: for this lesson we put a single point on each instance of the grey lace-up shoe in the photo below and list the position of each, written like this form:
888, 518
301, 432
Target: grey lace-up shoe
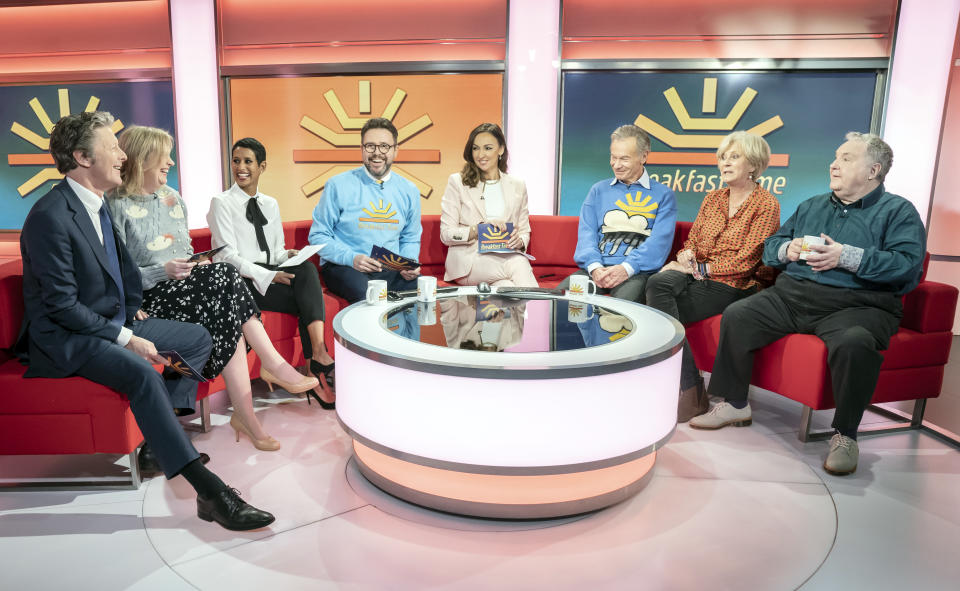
721, 415
843, 456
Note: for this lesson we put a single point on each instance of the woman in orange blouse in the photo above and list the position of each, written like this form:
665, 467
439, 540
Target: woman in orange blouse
720, 261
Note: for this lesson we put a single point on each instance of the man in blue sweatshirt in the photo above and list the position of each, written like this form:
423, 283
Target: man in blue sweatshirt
626, 223
368, 206
846, 291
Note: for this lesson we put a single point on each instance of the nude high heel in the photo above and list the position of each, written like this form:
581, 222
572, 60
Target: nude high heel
268, 444
307, 383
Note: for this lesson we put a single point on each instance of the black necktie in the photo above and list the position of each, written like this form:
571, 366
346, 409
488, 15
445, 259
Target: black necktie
113, 260
255, 217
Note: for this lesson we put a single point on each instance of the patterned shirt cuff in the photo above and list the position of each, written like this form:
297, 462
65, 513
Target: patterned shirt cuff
850, 257
782, 253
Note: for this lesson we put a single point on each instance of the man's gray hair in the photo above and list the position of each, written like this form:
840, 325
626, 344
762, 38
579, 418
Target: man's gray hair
632, 131
878, 151
75, 133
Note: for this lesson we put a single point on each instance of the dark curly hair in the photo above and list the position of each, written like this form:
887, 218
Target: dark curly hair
75, 133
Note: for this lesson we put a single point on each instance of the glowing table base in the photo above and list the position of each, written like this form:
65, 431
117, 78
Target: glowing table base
508, 435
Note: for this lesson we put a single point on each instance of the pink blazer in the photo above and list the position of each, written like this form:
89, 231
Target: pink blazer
462, 207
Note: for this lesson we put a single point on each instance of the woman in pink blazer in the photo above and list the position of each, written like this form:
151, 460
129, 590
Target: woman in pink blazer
483, 192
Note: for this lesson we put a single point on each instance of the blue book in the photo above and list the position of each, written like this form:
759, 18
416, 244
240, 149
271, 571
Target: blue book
180, 365
391, 260
490, 239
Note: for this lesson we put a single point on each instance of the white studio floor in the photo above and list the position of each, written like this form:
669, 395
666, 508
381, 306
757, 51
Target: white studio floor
739, 508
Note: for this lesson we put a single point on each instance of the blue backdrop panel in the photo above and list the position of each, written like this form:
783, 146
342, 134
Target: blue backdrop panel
142, 103
815, 110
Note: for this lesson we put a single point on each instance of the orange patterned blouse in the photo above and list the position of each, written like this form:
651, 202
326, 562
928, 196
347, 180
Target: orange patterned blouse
733, 245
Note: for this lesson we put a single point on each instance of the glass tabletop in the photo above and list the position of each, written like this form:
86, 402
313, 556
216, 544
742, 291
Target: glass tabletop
513, 324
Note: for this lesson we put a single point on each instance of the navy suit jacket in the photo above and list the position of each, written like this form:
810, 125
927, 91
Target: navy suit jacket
69, 294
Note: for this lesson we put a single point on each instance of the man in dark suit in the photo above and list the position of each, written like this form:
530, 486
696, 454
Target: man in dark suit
82, 294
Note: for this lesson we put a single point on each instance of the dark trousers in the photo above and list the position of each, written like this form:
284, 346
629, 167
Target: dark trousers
152, 395
303, 298
854, 324
633, 288
351, 284
688, 300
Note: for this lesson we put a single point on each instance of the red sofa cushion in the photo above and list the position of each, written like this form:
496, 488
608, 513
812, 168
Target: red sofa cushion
11, 302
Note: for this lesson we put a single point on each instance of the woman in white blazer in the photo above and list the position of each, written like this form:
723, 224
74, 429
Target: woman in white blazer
483, 192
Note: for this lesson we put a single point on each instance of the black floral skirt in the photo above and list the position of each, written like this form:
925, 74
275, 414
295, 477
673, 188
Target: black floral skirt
213, 296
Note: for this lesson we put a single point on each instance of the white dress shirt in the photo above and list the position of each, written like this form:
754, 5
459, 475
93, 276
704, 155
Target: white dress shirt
229, 227
92, 203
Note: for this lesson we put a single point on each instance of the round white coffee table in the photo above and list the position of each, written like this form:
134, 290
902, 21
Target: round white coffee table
528, 406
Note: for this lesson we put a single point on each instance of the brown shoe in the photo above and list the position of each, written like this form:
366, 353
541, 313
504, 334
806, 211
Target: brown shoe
693, 402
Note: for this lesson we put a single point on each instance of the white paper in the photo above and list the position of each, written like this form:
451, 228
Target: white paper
305, 253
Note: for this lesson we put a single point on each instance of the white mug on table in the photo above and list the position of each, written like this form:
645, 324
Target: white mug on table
426, 288
376, 291
581, 285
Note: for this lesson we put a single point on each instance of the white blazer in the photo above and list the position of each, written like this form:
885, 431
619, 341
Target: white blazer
462, 208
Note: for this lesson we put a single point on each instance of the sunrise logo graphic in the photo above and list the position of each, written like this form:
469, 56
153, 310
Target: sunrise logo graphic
638, 206
380, 213
495, 235
681, 141
42, 143
488, 310
395, 263
346, 141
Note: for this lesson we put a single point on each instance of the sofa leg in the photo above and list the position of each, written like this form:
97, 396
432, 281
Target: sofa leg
919, 408
135, 479
205, 425
806, 417
203, 409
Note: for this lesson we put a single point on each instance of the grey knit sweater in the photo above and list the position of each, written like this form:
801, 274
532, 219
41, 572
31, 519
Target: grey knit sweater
154, 229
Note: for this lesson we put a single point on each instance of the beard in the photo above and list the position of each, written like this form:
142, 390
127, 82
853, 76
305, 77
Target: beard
375, 175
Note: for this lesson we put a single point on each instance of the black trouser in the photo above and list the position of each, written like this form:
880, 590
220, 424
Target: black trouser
303, 298
351, 284
153, 395
688, 300
854, 324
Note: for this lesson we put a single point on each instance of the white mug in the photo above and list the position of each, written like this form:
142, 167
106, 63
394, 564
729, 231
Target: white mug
581, 285
805, 246
376, 291
426, 288
578, 312
426, 313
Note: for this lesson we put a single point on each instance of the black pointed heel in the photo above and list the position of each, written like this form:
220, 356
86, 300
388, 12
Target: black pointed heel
325, 374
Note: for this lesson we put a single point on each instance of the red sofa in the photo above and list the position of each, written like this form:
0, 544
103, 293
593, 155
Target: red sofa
74, 416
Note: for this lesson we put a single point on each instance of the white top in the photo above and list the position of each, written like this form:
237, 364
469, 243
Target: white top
493, 203
92, 203
229, 227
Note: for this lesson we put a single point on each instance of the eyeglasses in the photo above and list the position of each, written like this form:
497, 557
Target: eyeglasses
371, 148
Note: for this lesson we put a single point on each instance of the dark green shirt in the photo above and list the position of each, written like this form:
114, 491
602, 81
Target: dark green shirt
883, 237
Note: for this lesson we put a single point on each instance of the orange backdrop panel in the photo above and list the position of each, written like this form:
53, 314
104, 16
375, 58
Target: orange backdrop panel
306, 142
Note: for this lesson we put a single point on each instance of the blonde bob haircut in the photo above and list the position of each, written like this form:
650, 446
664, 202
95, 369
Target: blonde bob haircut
754, 148
143, 147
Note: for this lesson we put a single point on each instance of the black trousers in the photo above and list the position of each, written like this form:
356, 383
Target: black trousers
303, 298
688, 300
854, 324
351, 284
152, 395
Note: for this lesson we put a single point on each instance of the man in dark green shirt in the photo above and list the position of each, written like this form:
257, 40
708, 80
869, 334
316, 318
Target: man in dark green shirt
846, 291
